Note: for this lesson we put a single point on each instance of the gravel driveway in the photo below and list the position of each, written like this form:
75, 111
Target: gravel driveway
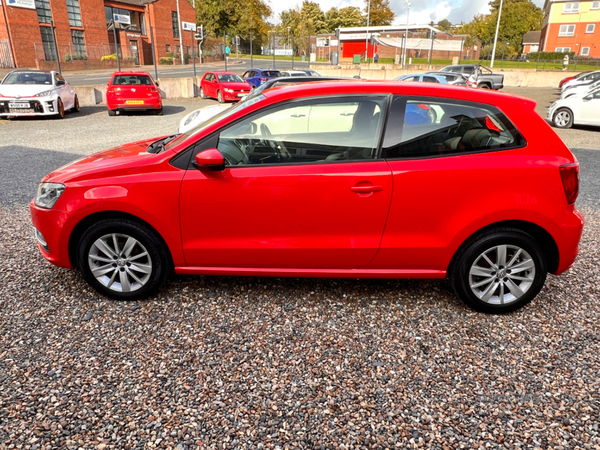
227, 362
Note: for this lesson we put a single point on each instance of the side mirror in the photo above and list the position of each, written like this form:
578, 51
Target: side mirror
210, 159
60, 82
157, 83
587, 98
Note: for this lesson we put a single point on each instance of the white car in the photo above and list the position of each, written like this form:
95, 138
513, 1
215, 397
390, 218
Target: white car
581, 80
299, 73
580, 90
576, 110
195, 118
36, 93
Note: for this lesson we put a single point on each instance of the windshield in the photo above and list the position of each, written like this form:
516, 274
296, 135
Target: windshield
271, 73
132, 80
228, 112
230, 78
28, 78
312, 73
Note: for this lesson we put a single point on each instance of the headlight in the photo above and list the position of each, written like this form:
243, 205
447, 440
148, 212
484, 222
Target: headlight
48, 194
44, 94
191, 117
228, 90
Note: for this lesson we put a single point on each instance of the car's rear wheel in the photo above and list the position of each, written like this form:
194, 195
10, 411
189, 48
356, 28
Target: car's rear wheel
112, 112
202, 94
60, 109
123, 259
499, 271
485, 86
220, 97
563, 118
75, 107
158, 112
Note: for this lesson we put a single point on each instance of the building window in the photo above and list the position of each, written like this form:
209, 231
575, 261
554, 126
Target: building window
74, 13
168, 48
585, 51
78, 42
43, 11
590, 28
48, 43
136, 18
595, 5
175, 22
571, 7
562, 49
566, 30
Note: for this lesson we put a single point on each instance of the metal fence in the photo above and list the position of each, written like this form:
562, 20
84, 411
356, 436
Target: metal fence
68, 52
5, 55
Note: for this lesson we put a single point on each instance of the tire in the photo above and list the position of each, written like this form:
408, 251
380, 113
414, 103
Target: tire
563, 118
75, 107
158, 112
484, 86
202, 94
220, 97
112, 112
60, 109
482, 285
118, 274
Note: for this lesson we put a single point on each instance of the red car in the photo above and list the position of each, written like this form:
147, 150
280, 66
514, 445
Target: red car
133, 91
224, 86
564, 80
332, 179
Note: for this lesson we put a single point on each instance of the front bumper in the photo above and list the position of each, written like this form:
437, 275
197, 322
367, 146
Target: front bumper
50, 223
234, 96
38, 106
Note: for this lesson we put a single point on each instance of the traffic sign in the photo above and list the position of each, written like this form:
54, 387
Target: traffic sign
188, 26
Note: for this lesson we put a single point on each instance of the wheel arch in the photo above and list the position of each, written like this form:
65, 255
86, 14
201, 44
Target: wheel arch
87, 221
544, 238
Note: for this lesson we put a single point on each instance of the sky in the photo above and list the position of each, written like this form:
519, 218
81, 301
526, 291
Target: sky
421, 11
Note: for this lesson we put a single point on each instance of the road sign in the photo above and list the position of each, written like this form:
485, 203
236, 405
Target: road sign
188, 26
122, 18
29, 4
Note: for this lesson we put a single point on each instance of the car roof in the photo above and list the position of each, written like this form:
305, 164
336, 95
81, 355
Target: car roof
216, 72
32, 70
120, 74
366, 87
263, 70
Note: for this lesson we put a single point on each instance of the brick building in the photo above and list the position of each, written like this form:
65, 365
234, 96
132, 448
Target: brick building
84, 30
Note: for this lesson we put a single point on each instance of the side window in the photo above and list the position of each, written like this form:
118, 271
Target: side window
246, 75
467, 70
430, 80
321, 130
430, 127
208, 76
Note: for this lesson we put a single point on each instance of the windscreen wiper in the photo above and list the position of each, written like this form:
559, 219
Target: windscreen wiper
159, 146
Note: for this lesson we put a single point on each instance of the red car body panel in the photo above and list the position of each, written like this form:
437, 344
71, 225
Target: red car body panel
211, 88
118, 96
266, 220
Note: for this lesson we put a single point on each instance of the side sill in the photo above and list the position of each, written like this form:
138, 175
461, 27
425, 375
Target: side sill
316, 273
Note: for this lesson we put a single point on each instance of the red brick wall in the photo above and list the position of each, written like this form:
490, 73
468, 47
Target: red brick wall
24, 30
160, 13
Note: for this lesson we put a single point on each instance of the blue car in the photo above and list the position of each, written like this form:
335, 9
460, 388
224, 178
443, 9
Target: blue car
256, 77
423, 78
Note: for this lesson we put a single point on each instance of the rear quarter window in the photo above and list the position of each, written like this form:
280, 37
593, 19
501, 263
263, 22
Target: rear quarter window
419, 127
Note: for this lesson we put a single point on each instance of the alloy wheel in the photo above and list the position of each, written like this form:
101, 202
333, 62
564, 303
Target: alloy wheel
120, 262
502, 274
562, 119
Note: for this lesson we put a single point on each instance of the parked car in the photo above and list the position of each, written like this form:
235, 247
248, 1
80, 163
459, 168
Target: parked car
314, 180
195, 118
311, 73
579, 90
293, 73
256, 77
27, 92
133, 91
422, 78
576, 110
572, 77
481, 76
455, 79
584, 80
224, 86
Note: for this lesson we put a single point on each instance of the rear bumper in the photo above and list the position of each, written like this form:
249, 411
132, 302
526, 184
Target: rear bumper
121, 104
566, 229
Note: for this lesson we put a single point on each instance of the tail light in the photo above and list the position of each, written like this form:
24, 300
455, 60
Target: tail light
263, 79
569, 174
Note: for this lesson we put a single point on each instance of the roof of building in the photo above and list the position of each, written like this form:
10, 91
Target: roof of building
135, 2
532, 37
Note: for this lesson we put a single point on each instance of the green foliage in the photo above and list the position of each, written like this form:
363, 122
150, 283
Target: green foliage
75, 56
233, 17
548, 55
344, 18
166, 61
444, 25
380, 13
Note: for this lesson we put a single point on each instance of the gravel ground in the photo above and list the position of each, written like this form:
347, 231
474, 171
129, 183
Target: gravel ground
225, 362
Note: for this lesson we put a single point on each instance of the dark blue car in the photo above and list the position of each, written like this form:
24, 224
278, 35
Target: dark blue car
256, 77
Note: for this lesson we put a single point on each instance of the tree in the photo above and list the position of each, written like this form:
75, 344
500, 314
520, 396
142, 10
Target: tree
344, 18
233, 17
444, 25
380, 13
312, 19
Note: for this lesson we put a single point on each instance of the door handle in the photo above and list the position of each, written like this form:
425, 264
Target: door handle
366, 189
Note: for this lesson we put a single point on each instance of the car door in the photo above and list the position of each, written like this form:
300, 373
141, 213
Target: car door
205, 84
212, 91
64, 91
290, 197
588, 111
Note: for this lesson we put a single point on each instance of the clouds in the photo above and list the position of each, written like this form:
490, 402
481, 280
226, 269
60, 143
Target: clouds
421, 11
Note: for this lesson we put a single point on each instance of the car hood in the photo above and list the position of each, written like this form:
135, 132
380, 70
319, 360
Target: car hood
133, 154
23, 90
237, 86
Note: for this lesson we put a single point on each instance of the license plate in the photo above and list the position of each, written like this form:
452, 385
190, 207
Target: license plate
242, 95
134, 102
19, 105
20, 110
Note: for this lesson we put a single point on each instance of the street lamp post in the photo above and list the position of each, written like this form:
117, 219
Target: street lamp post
496, 36
405, 49
288, 39
367, 33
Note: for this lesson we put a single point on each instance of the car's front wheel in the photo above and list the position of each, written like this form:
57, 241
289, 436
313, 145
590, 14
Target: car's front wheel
60, 109
563, 118
220, 97
499, 271
123, 259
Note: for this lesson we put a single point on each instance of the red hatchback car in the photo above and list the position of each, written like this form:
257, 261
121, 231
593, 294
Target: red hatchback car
133, 91
224, 86
333, 179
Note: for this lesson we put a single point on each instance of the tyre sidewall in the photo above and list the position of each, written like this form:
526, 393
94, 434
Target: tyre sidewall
569, 124
485, 242
145, 236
